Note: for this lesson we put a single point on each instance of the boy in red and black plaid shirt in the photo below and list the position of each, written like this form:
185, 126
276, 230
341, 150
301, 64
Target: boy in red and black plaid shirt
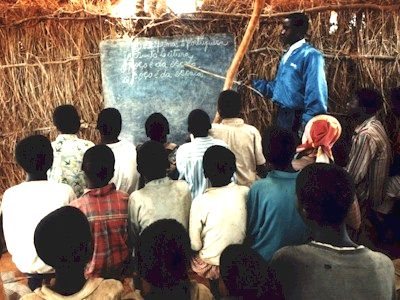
106, 209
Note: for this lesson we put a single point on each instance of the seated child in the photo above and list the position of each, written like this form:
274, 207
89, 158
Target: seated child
63, 240
68, 149
109, 124
272, 218
244, 140
244, 273
189, 157
161, 197
217, 217
332, 266
107, 211
25, 204
163, 256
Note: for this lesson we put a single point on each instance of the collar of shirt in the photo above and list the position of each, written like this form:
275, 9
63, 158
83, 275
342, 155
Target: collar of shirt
233, 121
99, 192
337, 248
221, 187
364, 125
158, 181
65, 136
282, 174
293, 47
202, 139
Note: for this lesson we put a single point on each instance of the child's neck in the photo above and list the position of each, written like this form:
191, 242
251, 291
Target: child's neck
335, 236
36, 176
155, 177
69, 282
109, 140
288, 169
217, 183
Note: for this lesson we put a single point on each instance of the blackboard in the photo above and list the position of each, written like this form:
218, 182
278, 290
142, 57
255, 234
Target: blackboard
147, 75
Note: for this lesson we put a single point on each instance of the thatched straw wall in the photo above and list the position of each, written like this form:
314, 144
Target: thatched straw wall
48, 59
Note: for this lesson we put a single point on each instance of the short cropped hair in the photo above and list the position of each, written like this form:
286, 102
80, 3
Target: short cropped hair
164, 253
98, 163
157, 126
229, 104
199, 122
369, 99
152, 159
279, 146
34, 154
325, 192
299, 21
219, 162
109, 122
244, 272
66, 119
63, 238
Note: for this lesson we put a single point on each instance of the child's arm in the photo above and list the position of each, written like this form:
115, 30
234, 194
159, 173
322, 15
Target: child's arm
196, 225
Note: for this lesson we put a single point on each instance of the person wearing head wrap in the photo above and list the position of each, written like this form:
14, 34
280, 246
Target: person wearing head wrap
320, 134
63, 240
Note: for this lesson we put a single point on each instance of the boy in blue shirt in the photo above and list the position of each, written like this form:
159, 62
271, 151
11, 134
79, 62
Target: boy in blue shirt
272, 218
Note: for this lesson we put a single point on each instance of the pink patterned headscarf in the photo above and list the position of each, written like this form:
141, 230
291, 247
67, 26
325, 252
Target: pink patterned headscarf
320, 134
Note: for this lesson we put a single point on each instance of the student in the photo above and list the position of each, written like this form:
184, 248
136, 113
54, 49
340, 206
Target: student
332, 266
109, 124
370, 152
320, 135
244, 140
272, 218
189, 157
107, 210
161, 197
217, 217
164, 256
68, 249
25, 204
157, 129
68, 149
244, 273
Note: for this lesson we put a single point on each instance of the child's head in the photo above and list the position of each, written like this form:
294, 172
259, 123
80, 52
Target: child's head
219, 164
325, 193
66, 119
279, 147
244, 272
368, 100
152, 160
98, 166
229, 104
395, 101
34, 154
63, 239
199, 123
157, 127
163, 254
109, 122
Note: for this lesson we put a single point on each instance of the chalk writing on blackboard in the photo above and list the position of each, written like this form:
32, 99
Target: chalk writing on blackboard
146, 75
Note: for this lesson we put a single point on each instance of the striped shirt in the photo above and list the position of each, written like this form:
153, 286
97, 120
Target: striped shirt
189, 162
107, 211
369, 161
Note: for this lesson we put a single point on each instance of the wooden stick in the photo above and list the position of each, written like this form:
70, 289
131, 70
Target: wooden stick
221, 77
307, 10
244, 45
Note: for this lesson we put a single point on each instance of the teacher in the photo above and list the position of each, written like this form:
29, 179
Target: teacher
299, 89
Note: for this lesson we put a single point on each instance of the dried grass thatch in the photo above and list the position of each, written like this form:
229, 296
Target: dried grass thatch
49, 55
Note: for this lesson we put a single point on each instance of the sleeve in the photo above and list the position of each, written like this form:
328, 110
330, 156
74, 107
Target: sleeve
196, 225
361, 154
258, 151
133, 220
316, 90
264, 87
8, 219
180, 163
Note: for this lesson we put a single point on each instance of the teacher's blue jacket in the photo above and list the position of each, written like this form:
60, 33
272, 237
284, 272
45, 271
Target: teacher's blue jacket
300, 84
